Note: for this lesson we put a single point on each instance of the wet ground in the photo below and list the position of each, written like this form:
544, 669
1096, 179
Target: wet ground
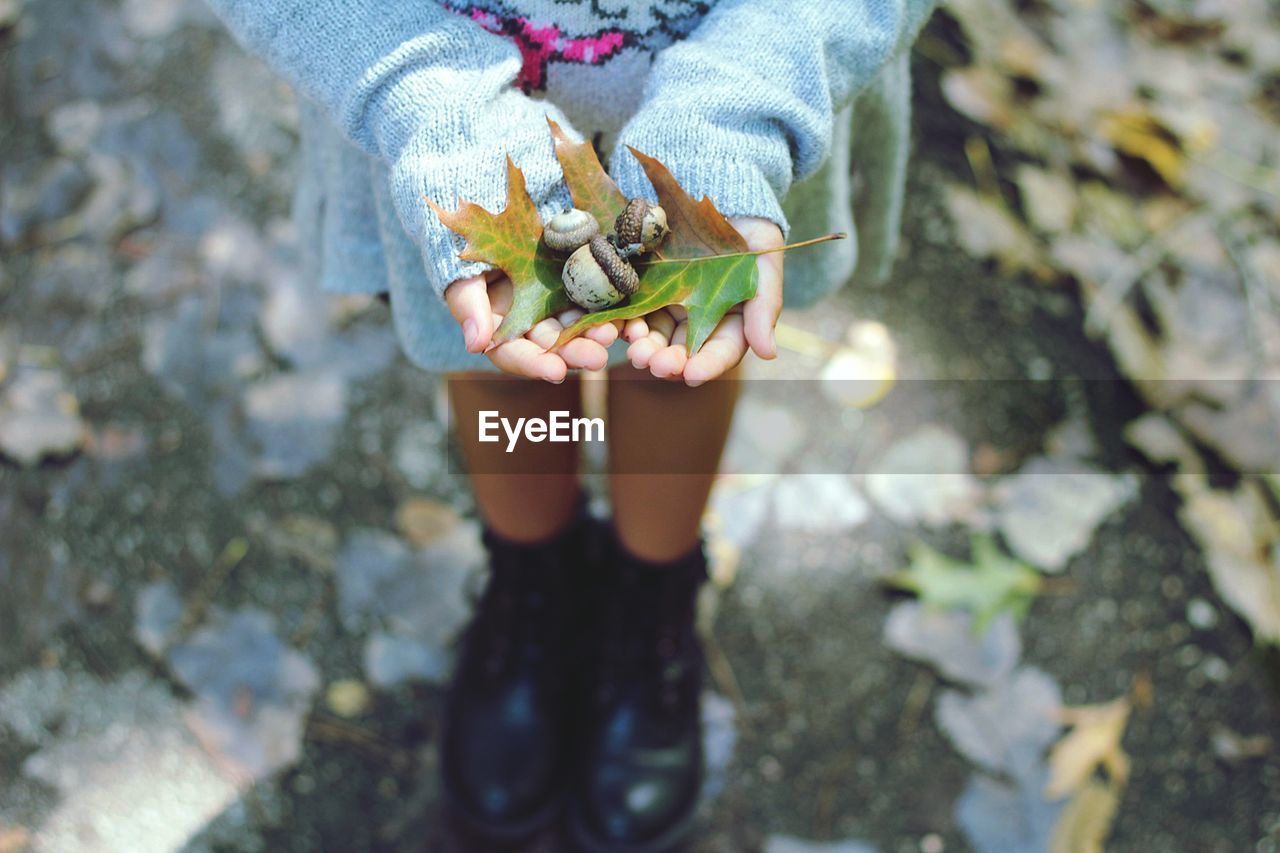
224, 619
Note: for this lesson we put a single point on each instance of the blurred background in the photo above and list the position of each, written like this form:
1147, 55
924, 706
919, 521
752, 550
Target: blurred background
1017, 590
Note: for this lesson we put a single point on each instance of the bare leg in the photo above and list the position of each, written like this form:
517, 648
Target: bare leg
657, 514
521, 507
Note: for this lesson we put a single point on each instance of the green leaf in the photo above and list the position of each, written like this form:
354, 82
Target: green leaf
512, 242
589, 184
993, 583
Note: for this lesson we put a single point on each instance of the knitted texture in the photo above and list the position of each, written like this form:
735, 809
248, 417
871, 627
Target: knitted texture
740, 98
745, 105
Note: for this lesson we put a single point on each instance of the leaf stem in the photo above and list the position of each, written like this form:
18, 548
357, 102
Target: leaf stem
826, 238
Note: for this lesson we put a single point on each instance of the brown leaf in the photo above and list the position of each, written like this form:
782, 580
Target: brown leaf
589, 184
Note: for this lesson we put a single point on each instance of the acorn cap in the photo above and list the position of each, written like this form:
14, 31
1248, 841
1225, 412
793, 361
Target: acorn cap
621, 274
566, 231
630, 225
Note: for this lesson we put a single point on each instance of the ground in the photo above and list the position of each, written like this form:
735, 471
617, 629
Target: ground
201, 641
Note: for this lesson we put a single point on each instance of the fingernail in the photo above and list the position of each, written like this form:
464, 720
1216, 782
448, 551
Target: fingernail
469, 333
773, 344
694, 383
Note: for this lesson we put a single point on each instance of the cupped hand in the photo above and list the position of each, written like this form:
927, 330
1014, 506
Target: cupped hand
479, 304
658, 339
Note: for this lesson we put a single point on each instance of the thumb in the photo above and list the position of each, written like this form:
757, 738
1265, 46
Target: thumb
468, 301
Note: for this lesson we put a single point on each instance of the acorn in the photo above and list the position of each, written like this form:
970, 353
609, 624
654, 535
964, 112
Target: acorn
569, 230
596, 276
641, 227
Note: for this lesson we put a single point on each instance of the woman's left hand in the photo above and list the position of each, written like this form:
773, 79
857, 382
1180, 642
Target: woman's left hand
658, 339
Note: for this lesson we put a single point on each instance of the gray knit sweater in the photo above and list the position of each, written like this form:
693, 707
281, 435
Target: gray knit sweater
405, 98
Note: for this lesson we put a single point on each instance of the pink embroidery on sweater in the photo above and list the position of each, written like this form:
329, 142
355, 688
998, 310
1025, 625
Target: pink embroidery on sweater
542, 44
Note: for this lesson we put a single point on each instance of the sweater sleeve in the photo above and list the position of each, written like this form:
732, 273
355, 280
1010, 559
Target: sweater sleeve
426, 89
744, 106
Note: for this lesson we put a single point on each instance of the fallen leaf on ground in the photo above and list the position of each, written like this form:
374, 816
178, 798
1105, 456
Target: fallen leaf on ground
1001, 817
347, 697
993, 583
986, 229
1086, 821
1094, 740
923, 478
945, 640
1048, 511
1233, 747
423, 520
1139, 135
39, 418
1241, 541
1049, 198
1005, 727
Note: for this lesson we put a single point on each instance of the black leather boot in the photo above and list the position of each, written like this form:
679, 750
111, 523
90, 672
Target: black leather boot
641, 771
506, 754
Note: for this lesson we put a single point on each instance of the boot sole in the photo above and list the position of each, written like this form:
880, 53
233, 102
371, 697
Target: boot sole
510, 833
670, 838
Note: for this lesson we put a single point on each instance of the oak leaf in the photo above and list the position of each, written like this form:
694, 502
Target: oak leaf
1094, 740
991, 584
704, 265
512, 242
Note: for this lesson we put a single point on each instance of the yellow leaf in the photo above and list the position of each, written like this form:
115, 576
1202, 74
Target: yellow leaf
1093, 740
347, 697
1086, 821
1139, 135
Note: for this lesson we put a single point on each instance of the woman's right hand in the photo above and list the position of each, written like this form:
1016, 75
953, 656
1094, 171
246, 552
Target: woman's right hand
479, 304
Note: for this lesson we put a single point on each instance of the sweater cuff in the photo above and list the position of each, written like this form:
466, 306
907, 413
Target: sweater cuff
448, 164
737, 187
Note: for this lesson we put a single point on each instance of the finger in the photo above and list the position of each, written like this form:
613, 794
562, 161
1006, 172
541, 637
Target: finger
604, 334
500, 294
545, 333
468, 301
635, 329
661, 326
760, 315
584, 354
723, 350
669, 362
578, 353
523, 357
